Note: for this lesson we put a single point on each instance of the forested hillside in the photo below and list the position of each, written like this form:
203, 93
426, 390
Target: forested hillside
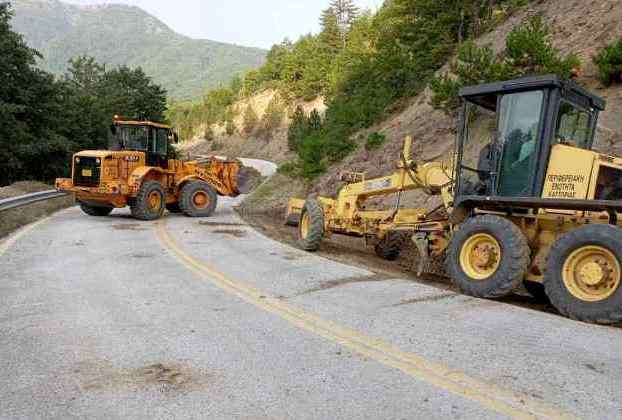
364, 64
123, 35
397, 72
43, 119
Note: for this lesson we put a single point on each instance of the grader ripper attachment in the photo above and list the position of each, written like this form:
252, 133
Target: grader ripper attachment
138, 171
525, 200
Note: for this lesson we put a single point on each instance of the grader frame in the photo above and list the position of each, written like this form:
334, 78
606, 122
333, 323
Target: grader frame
527, 201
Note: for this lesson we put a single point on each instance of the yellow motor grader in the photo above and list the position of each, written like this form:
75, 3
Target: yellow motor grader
525, 200
138, 171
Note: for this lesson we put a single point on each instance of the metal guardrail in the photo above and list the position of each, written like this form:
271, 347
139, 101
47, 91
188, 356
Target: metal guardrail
24, 200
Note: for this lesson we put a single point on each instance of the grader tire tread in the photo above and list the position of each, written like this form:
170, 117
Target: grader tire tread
173, 208
140, 209
316, 226
390, 247
536, 290
514, 263
188, 207
95, 211
604, 312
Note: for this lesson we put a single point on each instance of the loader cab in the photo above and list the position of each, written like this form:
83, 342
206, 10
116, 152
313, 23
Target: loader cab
507, 130
143, 136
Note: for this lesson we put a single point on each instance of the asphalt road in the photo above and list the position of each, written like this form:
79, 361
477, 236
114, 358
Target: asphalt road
110, 318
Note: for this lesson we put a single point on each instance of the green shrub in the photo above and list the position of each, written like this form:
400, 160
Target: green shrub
297, 129
230, 128
250, 120
609, 62
274, 114
374, 141
290, 168
528, 52
209, 134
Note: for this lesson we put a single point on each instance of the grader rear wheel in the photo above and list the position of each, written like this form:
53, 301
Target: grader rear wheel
583, 274
311, 227
488, 257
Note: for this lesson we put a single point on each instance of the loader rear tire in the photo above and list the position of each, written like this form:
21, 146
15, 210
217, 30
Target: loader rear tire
488, 257
311, 227
150, 201
95, 211
583, 274
198, 199
390, 247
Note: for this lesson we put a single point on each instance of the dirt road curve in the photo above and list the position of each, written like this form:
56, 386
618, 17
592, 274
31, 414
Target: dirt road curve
110, 318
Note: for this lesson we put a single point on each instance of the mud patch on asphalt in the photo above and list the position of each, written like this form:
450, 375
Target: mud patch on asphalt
236, 233
432, 298
221, 224
129, 226
345, 281
142, 256
289, 255
163, 376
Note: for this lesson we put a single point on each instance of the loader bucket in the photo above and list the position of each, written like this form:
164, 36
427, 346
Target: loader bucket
294, 211
247, 179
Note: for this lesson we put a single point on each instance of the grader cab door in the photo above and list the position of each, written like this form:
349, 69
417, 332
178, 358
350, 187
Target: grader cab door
509, 130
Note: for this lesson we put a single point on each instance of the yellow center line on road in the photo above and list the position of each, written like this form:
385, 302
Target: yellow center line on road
502, 401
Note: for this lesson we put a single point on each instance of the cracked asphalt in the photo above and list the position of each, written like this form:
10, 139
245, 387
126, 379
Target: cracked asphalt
110, 318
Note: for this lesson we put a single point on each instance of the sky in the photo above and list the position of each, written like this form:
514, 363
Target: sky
253, 23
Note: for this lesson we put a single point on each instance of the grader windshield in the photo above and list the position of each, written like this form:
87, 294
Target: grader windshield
508, 130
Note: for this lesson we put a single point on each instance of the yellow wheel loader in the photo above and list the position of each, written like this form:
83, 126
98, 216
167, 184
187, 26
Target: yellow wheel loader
525, 200
138, 171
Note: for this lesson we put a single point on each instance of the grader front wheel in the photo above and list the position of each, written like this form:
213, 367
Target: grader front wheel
311, 227
488, 257
583, 274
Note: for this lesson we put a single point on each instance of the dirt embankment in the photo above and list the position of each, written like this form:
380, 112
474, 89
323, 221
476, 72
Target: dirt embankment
259, 144
579, 26
13, 219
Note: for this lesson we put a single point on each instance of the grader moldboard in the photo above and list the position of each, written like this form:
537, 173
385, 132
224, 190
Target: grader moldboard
138, 172
525, 200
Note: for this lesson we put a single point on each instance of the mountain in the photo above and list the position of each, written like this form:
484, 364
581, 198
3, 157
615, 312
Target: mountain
126, 35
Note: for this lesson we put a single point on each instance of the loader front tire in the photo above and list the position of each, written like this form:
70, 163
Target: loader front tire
583, 274
150, 201
95, 211
311, 226
488, 257
198, 199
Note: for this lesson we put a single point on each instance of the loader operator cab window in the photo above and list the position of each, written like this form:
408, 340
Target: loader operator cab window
574, 126
518, 127
130, 138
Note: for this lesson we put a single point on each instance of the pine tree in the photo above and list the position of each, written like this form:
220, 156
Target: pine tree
346, 12
250, 120
297, 129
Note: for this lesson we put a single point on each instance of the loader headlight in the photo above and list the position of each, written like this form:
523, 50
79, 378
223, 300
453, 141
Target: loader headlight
98, 161
77, 160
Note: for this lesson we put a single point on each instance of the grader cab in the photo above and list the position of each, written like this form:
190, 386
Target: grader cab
526, 200
139, 170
